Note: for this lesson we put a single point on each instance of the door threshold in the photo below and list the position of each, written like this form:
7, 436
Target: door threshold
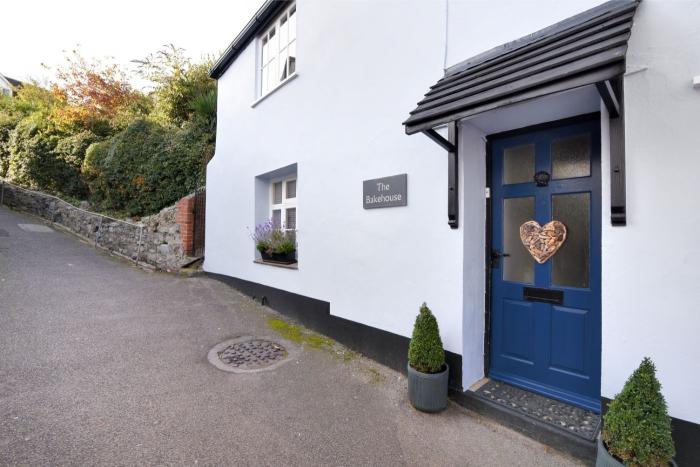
562, 426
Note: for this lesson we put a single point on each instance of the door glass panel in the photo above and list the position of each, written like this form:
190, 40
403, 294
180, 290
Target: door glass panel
519, 164
519, 266
570, 264
571, 157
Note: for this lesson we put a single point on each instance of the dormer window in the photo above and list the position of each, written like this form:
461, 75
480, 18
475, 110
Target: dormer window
278, 51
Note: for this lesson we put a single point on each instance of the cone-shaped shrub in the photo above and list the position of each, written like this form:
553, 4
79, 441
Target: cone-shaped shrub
637, 428
425, 353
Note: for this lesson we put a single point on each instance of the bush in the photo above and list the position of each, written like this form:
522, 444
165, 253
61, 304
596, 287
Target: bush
41, 156
70, 153
7, 124
637, 428
425, 352
32, 161
146, 167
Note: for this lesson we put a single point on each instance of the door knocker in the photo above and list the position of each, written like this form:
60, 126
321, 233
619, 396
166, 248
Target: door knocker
542, 178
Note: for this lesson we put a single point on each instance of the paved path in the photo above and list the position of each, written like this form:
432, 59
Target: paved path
102, 363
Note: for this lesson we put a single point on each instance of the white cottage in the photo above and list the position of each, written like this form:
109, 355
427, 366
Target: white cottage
586, 115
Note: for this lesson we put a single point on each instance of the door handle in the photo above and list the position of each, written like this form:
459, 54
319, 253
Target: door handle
496, 258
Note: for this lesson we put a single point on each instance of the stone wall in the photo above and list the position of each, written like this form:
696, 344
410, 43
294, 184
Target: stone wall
156, 240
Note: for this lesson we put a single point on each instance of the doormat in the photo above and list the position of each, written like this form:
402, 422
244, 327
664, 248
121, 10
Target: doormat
575, 420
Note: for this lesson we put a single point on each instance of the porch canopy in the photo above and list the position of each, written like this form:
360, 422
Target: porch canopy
586, 49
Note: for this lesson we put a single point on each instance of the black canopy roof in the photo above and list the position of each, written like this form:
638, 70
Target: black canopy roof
585, 49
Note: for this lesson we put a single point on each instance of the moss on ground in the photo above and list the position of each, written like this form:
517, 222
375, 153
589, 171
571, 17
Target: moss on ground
375, 377
302, 336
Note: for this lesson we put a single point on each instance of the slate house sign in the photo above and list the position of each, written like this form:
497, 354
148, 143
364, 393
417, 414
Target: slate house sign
385, 192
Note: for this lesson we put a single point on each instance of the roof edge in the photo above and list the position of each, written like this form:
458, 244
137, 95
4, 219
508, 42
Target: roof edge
258, 22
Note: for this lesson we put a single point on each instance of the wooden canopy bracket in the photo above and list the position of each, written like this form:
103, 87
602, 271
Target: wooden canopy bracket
612, 94
450, 145
452, 179
437, 137
609, 96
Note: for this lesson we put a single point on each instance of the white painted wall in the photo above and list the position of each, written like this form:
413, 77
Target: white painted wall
361, 66
473, 157
651, 284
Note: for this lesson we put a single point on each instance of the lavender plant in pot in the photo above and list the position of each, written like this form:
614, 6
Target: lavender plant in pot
275, 244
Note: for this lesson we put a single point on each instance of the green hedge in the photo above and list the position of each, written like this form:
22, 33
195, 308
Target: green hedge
40, 156
146, 167
7, 125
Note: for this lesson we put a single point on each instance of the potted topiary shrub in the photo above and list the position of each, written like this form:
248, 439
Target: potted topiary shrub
427, 370
275, 244
637, 428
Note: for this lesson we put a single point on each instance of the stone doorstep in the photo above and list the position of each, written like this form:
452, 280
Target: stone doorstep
531, 427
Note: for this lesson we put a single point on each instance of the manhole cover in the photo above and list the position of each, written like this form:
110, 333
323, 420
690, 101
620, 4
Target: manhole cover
247, 354
253, 354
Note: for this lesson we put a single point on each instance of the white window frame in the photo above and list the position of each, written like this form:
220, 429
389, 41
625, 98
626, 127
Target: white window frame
270, 63
287, 203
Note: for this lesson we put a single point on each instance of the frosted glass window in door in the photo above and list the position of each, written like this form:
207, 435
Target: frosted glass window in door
519, 164
519, 266
570, 265
571, 157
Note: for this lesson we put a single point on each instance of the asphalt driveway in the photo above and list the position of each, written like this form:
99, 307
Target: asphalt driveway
102, 363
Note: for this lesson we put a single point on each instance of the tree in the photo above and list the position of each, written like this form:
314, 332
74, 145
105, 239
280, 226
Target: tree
179, 84
98, 95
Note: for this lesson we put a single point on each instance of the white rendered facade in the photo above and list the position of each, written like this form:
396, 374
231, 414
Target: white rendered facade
337, 122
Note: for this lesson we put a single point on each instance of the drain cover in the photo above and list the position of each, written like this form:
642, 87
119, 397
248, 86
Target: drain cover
34, 228
247, 354
253, 354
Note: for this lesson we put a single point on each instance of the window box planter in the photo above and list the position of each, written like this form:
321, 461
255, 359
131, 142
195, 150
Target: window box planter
279, 258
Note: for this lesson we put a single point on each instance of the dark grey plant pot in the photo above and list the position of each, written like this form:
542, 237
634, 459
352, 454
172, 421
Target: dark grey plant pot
605, 459
427, 392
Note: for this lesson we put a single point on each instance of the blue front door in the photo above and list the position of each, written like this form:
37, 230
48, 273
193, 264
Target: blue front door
545, 318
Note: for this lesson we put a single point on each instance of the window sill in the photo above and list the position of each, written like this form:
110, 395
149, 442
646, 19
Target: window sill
277, 265
273, 90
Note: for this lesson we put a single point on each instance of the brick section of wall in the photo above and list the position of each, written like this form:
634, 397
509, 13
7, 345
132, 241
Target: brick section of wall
185, 219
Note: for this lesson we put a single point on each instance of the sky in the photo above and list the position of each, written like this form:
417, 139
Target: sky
41, 31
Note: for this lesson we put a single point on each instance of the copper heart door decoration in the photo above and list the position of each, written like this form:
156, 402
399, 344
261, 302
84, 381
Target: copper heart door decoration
542, 241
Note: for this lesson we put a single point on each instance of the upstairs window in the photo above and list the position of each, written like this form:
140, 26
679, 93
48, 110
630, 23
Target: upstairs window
278, 51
